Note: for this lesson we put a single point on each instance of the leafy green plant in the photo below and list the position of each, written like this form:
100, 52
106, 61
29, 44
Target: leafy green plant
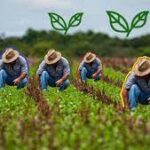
77, 118
119, 23
58, 23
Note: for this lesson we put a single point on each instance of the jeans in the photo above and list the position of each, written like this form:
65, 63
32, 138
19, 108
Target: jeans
7, 79
136, 95
47, 80
84, 74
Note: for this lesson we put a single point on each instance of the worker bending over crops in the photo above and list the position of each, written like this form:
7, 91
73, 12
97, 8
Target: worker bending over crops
13, 69
137, 85
90, 67
54, 71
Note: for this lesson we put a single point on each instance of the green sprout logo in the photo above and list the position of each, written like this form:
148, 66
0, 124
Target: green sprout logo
58, 23
119, 23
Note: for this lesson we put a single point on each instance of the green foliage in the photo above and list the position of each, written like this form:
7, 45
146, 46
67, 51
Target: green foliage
77, 120
42, 48
145, 52
38, 42
13, 101
115, 75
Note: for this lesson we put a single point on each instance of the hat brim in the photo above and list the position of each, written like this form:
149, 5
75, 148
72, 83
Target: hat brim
91, 60
5, 60
52, 61
139, 73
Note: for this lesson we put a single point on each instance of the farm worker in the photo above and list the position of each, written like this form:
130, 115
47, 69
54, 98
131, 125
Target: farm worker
137, 85
90, 67
13, 69
54, 71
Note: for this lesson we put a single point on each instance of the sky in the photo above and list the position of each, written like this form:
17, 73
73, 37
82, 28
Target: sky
19, 15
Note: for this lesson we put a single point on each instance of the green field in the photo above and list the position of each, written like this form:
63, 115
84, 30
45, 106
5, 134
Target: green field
85, 118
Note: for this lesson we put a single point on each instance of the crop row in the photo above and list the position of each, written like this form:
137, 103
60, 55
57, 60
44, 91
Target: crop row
79, 118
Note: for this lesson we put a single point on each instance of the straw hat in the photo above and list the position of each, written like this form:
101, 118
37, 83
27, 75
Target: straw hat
52, 57
10, 55
89, 57
142, 66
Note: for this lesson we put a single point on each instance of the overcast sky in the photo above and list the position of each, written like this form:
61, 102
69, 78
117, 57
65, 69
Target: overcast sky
19, 15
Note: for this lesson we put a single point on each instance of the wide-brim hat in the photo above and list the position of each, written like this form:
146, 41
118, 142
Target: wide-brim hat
142, 66
10, 55
89, 57
52, 57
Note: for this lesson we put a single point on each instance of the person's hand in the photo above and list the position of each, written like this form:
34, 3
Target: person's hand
59, 82
94, 76
17, 81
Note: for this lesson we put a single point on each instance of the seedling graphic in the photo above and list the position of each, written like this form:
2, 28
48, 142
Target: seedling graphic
58, 23
119, 23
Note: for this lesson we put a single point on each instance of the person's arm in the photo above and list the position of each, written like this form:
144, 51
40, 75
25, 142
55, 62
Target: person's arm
24, 71
60, 81
20, 78
99, 69
39, 72
79, 70
65, 77
66, 73
102, 75
131, 79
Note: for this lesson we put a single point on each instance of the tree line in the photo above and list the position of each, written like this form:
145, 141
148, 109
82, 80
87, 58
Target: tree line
36, 43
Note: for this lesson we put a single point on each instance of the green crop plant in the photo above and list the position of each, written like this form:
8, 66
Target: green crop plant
77, 118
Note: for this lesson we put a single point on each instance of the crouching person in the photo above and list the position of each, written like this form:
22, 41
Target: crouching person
137, 85
54, 71
13, 69
90, 68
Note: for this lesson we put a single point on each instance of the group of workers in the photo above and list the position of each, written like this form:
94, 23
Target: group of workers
54, 71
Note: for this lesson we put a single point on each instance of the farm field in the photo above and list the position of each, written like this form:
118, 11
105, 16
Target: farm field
82, 117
